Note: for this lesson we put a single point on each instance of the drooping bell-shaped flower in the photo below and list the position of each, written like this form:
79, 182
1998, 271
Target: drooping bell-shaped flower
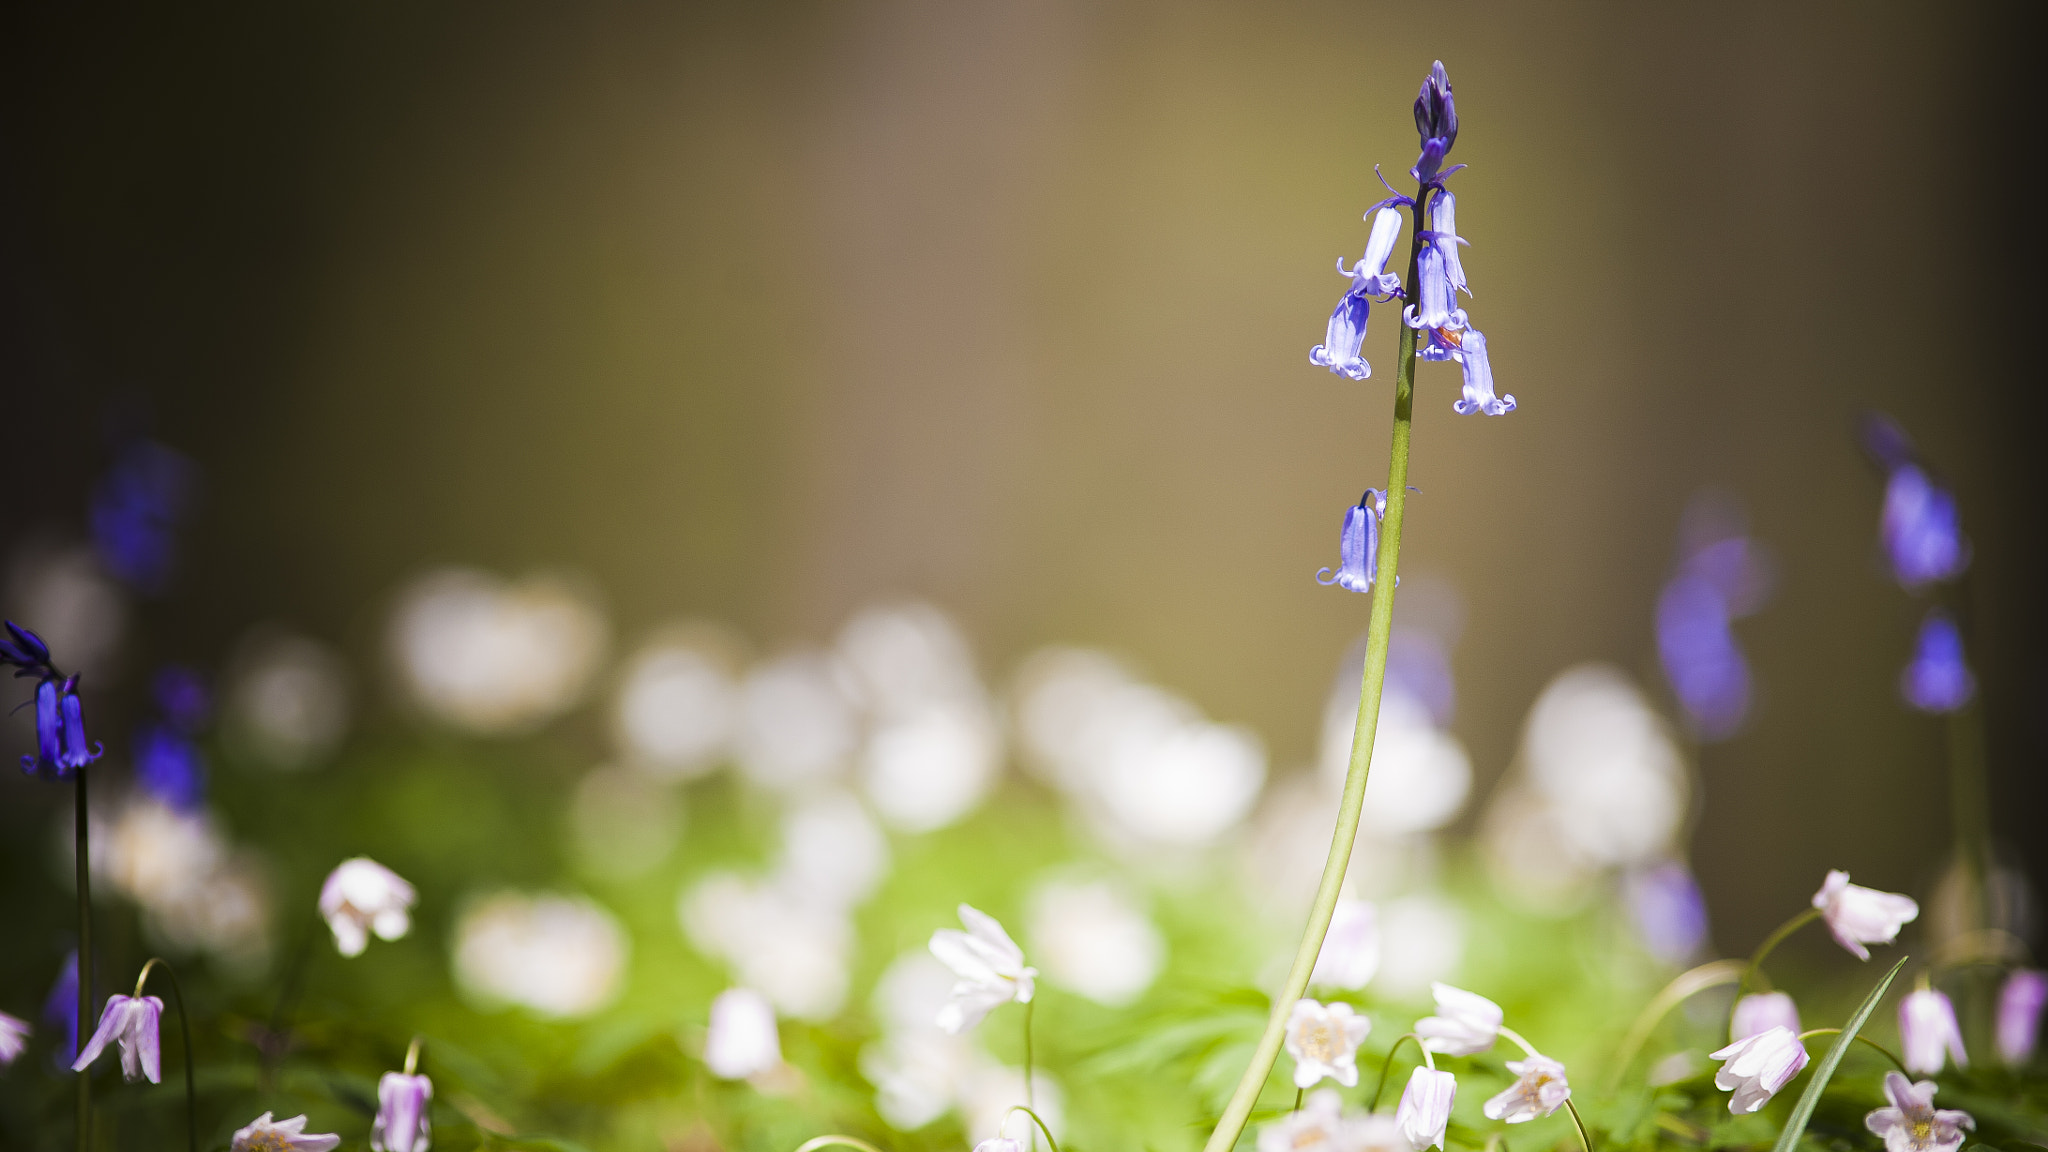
61, 745
1345, 336
1757, 1067
1465, 1023
1540, 1088
1358, 552
1425, 1109
1761, 1012
1324, 1040
1478, 397
1938, 680
403, 1122
266, 1135
1443, 226
1928, 1032
1913, 1123
1858, 916
132, 1022
1436, 303
2019, 1014
990, 966
1436, 122
362, 896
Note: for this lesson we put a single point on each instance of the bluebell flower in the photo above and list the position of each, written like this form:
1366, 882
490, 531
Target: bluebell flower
1437, 302
1938, 680
1722, 576
1358, 553
60, 731
169, 767
136, 512
1369, 278
25, 651
1923, 535
1479, 397
1436, 122
1443, 228
60, 1009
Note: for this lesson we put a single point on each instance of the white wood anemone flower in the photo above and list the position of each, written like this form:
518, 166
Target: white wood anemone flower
1318, 1126
742, 1041
1425, 1109
362, 896
1858, 916
1913, 1123
133, 1021
1540, 1088
1465, 1023
990, 966
1324, 1040
1757, 1067
1928, 1033
266, 1135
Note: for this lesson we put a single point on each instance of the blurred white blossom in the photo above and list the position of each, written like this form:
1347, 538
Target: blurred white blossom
64, 593
196, 893
362, 896
1422, 941
796, 726
918, 1075
741, 1041
1137, 760
492, 656
927, 769
1596, 753
1351, 948
1420, 775
676, 706
831, 849
991, 1090
287, 699
790, 948
560, 956
1093, 939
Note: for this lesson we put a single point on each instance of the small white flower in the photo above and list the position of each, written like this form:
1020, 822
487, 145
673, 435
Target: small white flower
990, 966
1912, 1123
1351, 948
1762, 1012
1465, 1023
262, 1135
14, 1034
1324, 1040
1539, 1090
1318, 1126
742, 1041
1425, 1109
1757, 1067
362, 896
133, 1021
1928, 1031
1859, 916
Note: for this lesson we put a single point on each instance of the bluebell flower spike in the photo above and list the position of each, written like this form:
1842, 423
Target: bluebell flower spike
1358, 552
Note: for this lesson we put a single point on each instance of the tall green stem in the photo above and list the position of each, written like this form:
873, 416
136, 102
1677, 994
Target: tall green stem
1246, 1095
82, 848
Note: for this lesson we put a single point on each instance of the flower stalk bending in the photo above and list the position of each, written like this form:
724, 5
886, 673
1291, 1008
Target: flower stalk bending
185, 1037
1239, 1110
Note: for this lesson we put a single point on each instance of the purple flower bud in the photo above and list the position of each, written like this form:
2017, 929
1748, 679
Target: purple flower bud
1359, 550
1436, 122
2019, 1014
402, 1123
1938, 680
1425, 1109
1759, 1013
24, 649
1928, 1031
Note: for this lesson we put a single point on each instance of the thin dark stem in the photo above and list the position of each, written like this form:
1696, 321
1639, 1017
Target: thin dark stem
1882, 1050
185, 1029
1585, 1141
1387, 1065
272, 1044
82, 846
1298, 1092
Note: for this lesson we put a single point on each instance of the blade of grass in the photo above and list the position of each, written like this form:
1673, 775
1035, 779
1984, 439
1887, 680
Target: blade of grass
1795, 1125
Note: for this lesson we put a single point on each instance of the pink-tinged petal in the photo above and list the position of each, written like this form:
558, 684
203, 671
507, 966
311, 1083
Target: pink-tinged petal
146, 1033
113, 1018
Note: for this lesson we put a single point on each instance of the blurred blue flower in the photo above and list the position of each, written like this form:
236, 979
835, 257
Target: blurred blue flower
1938, 680
1669, 912
136, 512
170, 767
60, 1008
1922, 532
1359, 549
1722, 576
1436, 122
181, 694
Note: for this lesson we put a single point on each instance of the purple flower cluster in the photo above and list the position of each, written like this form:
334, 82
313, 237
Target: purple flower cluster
1924, 547
1722, 576
60, 715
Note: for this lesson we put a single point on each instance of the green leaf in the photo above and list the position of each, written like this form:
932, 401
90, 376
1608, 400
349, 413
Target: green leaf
1795, 1127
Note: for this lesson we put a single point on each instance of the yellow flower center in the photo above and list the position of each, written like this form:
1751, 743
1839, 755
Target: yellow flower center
1319, 1042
